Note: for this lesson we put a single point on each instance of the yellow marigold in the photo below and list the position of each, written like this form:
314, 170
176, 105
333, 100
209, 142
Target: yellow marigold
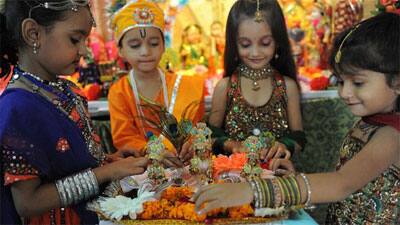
240, 212
190, 214
216, 212
177, 193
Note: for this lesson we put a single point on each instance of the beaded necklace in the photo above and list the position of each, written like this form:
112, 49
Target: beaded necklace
65, 101
255, 75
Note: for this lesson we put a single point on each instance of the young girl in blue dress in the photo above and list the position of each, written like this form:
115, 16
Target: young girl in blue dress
51, 160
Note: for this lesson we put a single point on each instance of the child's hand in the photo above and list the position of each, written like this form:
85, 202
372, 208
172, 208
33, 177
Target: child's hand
281, 166
279, 150
171, 160
123, 153
186, 152
221, 195
233, 146
126, 167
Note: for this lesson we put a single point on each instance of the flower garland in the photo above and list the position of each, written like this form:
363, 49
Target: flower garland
175, 204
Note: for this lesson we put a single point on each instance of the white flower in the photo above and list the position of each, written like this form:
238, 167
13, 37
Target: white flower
262, 212
120, 206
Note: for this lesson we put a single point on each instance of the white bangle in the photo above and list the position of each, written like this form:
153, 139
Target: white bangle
308, 186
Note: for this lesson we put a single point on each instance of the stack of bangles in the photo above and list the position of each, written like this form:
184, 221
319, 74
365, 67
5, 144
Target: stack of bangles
76, 188
279, 192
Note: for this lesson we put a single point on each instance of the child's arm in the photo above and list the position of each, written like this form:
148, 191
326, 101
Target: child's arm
294, 112
32, 197
382, 151
282, 147
293, 108
218, 104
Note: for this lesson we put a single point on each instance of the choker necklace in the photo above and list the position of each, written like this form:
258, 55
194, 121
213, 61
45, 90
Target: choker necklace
255, 75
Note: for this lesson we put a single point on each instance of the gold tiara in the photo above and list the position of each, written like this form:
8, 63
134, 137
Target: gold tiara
258, 15
338, 55
60, 5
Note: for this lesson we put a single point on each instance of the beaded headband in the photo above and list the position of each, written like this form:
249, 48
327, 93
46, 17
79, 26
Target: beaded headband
61, 5
338, 55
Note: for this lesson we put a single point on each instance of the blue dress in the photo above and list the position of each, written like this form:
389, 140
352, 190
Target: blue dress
44, 139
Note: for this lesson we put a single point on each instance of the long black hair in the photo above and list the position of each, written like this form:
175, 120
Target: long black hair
373, 44
15, 12
243, 9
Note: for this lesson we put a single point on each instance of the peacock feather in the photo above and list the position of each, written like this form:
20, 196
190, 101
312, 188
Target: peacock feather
177, 132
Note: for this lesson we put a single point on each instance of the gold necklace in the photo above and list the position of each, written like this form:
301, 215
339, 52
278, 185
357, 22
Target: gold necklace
255, 75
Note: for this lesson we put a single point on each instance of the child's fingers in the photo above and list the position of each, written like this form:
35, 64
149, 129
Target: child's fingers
271, 152
285, 164
130, 152
282, 153
263, 153
172, 162
204, 197
140, 162
184, 150
209, 206
202, 190
187, 157
137, 170
288, 154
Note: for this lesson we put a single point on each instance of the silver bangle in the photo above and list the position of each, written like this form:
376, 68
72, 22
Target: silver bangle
86, 177
84, 185
68, 191
308, 186
93, 180
256, 193
61, 193
72, 186
78, 187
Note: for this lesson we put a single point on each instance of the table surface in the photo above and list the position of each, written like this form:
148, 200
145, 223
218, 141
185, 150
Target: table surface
301, 218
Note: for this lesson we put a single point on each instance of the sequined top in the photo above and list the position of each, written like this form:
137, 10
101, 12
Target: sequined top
378, 202
243, 120
45, 139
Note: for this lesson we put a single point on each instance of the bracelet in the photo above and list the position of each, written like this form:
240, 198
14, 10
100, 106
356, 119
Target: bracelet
77, 187
258, 192
68, 190
94, 182
61, 193
277, 193
75, 197
255, 192
308, 186
85, 187
271, 193
296, 189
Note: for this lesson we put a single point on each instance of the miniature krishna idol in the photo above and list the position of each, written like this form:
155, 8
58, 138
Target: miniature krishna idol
201, 163
252, 146
155, 152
